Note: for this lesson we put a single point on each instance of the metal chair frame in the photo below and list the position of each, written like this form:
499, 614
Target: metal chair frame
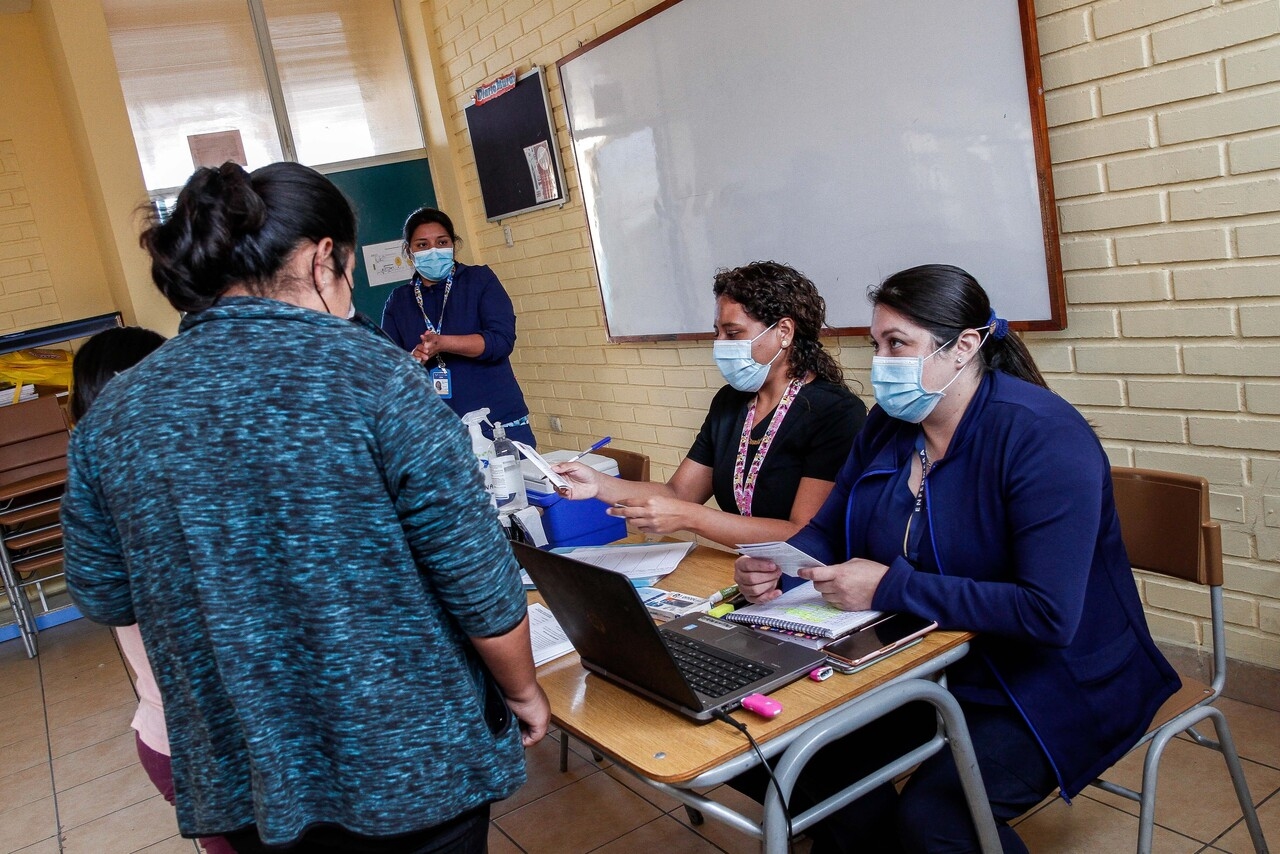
1141, 526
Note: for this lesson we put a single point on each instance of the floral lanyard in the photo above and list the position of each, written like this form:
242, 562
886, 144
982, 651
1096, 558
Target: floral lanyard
432, 327
744, 481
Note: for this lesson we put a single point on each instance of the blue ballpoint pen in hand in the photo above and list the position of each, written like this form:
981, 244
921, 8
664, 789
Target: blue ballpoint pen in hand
598, 445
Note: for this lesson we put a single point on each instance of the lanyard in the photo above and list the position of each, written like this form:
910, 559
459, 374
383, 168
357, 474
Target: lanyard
911, 544
744, 481
434, 327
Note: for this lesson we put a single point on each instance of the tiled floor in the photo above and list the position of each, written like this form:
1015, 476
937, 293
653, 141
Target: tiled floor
70, 780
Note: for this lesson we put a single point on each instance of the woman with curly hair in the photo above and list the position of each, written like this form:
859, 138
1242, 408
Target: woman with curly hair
775, 436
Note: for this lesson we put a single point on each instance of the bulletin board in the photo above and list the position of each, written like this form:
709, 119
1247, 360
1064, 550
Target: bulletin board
850, 139
514, 143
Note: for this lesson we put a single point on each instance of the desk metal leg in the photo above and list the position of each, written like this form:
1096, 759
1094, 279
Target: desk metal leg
873, 706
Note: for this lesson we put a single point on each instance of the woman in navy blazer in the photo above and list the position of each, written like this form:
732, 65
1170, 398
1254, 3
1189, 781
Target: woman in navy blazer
976, 497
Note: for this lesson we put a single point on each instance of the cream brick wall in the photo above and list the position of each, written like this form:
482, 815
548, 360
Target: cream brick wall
1196, 289
1165, 138
27, 295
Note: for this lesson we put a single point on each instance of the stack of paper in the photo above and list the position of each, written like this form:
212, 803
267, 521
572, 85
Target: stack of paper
643, 563
10, 394
549, 640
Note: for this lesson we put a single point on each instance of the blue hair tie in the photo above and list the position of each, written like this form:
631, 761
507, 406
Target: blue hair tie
998, 325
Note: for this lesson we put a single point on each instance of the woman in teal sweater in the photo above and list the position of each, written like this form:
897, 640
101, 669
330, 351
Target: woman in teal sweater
296, 524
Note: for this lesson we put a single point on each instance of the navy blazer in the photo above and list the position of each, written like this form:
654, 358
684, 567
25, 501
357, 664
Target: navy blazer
1022, 545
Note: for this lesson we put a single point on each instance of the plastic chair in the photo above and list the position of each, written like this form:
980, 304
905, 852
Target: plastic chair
632, 465
33, 470
1165, 523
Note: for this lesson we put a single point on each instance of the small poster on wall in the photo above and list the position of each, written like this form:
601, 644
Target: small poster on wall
543, 172
384, 264
214, 149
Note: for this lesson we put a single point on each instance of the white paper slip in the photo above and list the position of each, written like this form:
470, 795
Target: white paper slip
634, 560
542, 465
549, 640
788, 558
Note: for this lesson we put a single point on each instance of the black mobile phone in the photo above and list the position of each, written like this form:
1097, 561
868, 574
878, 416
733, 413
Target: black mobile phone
873, 642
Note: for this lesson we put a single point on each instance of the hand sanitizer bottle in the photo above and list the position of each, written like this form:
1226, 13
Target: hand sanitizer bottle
508, 479
480, 446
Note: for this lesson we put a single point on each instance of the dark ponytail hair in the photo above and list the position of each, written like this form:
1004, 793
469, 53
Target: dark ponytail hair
424, 215
770, 291
946, 301
231, 227
102, 357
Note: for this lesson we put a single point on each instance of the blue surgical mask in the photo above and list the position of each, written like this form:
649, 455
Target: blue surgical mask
434, 264
897, 383
735, 362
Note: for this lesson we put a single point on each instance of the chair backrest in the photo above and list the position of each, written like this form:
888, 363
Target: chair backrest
33, 440
1165, 523
631, 464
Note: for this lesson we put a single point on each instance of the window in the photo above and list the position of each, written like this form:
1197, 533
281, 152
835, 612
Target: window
317, 81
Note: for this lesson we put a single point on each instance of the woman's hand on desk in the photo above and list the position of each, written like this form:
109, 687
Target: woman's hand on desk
757, 579
849, 586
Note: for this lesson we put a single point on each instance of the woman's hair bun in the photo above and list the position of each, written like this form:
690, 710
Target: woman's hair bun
192, 251
231, 227
243, 210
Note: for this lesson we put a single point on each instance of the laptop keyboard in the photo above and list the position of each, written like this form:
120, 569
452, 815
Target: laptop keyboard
711, 671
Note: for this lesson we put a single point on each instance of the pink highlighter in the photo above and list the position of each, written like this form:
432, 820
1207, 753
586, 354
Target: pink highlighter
765, 707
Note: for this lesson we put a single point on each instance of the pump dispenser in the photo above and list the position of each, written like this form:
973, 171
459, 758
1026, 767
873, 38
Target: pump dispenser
508, 479
480, 446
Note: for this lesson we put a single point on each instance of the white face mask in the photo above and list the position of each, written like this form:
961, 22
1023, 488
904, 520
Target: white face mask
898, 383
738, 366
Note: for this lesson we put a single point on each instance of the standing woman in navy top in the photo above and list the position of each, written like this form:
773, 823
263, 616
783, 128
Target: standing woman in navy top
978, 498
457, 321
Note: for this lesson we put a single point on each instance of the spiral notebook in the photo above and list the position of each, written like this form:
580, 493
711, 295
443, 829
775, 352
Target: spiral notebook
802, 609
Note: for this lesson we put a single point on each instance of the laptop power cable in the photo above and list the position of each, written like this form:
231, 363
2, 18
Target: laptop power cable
723, 715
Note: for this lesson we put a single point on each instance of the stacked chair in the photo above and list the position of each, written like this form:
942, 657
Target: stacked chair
33, 471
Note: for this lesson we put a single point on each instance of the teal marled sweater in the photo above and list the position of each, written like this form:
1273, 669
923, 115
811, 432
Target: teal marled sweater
295, 520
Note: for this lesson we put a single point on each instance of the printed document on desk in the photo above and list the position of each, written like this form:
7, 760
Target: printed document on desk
643, 563
549, 640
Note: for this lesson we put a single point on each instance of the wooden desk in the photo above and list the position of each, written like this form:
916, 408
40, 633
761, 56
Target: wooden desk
677, 755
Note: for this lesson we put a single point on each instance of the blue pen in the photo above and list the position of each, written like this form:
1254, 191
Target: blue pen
598, 445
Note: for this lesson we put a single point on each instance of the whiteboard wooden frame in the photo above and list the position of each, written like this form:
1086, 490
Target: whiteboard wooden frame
712, 133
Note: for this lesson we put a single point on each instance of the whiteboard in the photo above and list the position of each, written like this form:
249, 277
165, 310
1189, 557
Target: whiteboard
847, 138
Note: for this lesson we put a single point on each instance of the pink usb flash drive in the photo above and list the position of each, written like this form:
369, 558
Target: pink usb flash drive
765, 707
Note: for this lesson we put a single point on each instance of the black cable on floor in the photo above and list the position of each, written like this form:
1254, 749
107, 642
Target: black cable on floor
721, 715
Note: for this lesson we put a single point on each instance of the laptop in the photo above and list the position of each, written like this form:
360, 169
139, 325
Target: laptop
696, 665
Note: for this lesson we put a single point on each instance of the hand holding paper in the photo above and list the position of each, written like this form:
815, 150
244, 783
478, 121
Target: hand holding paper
544, 467
787, 557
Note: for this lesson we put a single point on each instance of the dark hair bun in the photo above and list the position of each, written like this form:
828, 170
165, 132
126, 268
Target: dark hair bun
192, 253
230, 227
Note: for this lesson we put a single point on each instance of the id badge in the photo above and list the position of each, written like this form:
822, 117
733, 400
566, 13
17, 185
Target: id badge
442, 382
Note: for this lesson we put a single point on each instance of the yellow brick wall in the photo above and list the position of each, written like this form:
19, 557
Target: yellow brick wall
27, 297
1165, 138
50, 264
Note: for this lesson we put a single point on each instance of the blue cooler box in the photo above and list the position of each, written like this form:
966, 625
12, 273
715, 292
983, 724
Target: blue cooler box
573, 523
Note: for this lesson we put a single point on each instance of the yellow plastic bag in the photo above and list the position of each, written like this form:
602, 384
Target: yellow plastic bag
35, 367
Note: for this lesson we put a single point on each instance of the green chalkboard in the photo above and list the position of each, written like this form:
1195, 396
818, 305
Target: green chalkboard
383, 197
